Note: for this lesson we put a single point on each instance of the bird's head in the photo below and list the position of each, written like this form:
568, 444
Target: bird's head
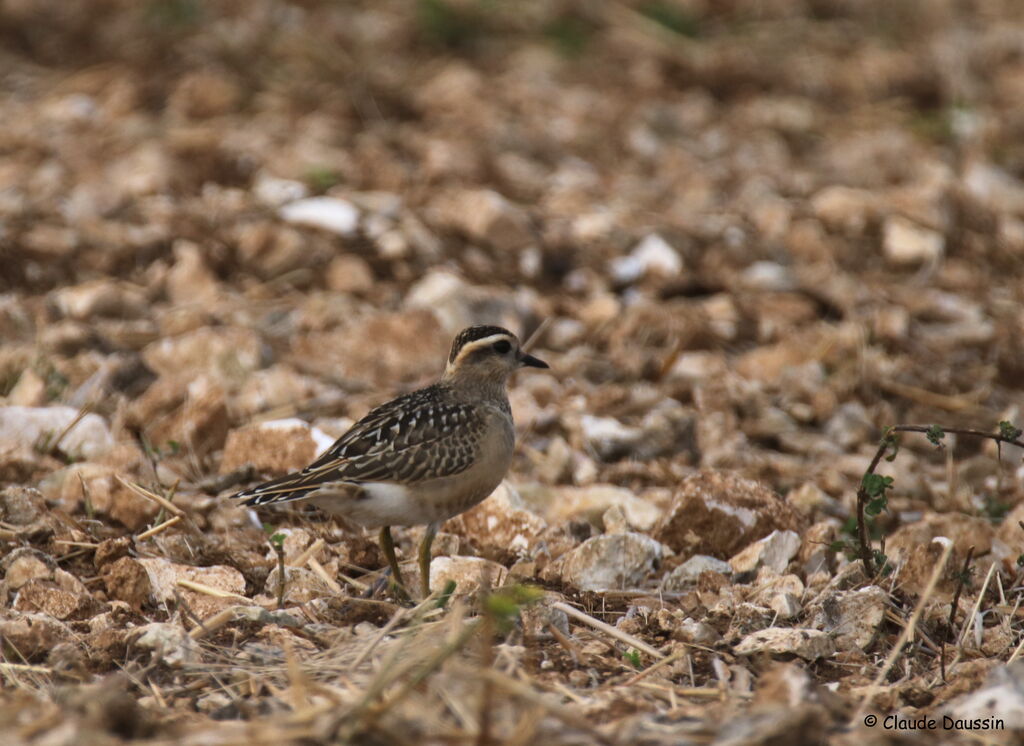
487, 354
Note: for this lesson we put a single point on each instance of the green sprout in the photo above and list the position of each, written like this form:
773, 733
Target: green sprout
1008, 431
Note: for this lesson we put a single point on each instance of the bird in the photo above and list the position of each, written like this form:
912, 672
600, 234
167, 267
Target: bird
422, 457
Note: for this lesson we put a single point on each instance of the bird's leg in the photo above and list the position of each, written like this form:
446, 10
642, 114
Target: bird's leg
428, 540
388, 545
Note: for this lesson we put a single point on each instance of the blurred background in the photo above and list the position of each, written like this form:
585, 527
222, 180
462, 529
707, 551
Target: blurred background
755, 232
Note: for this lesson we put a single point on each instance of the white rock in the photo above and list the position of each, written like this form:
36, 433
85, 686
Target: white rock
809, 644
457, 304
164, 576
609, 437
558, 505
444, 293
467, 572
690, 571
170, 644
89, 439
845, 208
275, 192
653, 255
502, 522
614, 521
773, 551
100, 298
997, 189
1001, 697
767, 276
907, 243
697, 633
328, 213
29, 391
851, 617
786, 605
322, 440
611, 562
487, 216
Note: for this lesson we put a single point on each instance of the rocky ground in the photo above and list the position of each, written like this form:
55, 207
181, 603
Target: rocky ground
747, 236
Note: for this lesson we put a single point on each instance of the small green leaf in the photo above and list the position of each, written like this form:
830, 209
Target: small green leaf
633, 656
446, 594
875, 485
850, 526
882, 562
501, 606
837, 546
935, 434
505, 603
277, 540
876, 506
322, 178
1008, 431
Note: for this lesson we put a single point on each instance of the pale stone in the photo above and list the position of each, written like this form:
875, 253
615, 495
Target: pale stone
1001, 697
611, 562
327, 213
169, 643
652, 256
100, 298
274, 446
907, 243
466, 572
559, 504
164, 576
851, 617
688, 573
29, 391
809, 644
349, 274
90, 438
773, 551
275, 192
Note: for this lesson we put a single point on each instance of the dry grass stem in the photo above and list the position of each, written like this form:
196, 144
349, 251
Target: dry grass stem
608, 629
971, 618
311, 551
158, 528
212, 623
210, 591
143, 492
321, 573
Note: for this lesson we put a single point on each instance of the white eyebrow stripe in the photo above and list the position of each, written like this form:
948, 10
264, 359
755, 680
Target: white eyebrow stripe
482, 342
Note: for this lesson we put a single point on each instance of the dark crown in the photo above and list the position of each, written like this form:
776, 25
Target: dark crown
472, 334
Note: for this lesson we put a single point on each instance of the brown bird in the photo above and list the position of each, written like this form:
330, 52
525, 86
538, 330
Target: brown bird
423, 457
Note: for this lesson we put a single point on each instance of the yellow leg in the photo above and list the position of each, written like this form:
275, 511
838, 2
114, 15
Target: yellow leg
428, 540
388, 545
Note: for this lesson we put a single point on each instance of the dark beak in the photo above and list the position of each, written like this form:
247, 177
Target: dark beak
530, 361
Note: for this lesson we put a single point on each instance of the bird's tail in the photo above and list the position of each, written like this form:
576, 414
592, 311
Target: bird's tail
282, 489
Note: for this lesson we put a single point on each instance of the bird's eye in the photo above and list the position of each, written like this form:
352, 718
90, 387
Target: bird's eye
501, 347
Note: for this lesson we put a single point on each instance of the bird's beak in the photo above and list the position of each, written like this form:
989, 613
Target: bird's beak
530, 361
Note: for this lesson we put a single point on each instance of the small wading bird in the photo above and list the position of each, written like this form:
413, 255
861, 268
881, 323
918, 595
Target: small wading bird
423, 457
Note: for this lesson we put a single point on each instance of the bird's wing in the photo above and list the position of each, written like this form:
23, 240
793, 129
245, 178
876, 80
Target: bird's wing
408, 440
